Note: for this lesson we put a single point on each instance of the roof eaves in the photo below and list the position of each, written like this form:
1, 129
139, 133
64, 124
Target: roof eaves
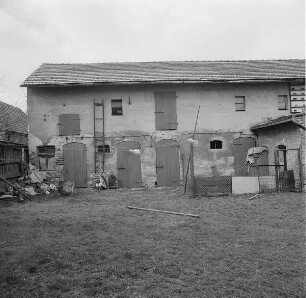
175, 81
275, 123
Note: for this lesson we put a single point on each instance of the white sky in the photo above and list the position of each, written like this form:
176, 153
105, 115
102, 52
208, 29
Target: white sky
39, 31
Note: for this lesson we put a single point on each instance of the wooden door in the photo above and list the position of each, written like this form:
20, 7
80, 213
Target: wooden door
75, 164
167, 163
129, 165
241, 147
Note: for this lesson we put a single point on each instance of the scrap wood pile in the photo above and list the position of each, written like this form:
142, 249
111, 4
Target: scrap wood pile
32, 183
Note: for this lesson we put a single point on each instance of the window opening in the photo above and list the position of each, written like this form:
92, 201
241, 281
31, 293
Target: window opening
216, 144
117, 107
239, 103
282, 102
46, 156
104, 148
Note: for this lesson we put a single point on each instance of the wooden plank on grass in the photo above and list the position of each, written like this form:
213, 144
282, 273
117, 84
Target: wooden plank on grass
163, 211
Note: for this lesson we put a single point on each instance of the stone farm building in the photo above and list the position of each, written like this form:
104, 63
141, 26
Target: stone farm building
133, 120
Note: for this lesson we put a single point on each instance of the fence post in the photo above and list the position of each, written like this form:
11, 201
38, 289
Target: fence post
300, 169
192, 171
276, 157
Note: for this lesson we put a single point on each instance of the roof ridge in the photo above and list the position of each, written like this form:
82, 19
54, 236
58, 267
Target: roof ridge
173, 61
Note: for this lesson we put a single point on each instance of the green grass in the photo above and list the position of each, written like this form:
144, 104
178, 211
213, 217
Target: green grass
90, 245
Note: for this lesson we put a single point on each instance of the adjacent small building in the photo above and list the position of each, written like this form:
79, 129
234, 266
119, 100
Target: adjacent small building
285, 138
13, 142
133, 120
13, 124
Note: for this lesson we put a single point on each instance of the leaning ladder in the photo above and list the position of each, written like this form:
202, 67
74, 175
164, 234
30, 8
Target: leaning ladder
99, 131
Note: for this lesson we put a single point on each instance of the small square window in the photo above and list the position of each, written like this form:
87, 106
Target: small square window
216, 144
104, 148
239, 103
117, 107
282, 102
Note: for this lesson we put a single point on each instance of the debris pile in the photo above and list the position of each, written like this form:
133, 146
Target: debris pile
35, 182
104, 181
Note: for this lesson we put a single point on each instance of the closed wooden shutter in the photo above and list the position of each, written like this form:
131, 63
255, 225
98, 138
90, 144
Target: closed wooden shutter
165, 110
69, 124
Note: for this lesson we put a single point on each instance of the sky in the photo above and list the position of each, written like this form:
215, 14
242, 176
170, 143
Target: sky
33, 32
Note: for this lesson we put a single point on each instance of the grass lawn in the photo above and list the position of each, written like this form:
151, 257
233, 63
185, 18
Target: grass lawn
90, 245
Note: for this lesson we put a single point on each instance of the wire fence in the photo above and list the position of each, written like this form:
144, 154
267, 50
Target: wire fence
264, 172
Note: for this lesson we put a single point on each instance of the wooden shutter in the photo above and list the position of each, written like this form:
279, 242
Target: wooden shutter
240, 103
69, 124
165, 110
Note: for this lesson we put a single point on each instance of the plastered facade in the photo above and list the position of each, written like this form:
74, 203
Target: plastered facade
217, 120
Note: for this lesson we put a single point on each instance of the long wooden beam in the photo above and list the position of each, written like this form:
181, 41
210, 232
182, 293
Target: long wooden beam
15, 188
163, 211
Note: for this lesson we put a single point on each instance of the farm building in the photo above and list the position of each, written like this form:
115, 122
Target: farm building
133, 120
13, 142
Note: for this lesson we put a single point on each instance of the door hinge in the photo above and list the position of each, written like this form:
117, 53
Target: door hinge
121, 168
159, 167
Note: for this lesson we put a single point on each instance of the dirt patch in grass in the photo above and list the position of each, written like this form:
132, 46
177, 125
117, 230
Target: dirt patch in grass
90, 245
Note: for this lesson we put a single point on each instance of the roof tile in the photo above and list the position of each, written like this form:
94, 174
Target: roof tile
150, 72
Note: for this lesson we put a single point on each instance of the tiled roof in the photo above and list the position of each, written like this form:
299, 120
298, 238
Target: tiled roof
154, 72
12, 119
298, 119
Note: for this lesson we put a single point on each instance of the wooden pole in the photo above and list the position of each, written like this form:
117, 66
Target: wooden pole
94, 134
194, 131
299, 154
15, 188
163, 211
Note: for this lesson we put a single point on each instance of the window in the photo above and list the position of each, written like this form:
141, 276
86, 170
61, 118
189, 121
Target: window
282, 102
239, 103
69, 124
117, 107
216, 144
104, 148
165, 110
46, 156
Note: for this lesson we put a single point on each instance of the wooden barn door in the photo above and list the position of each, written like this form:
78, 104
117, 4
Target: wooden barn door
75, 164
167, 163
241, 147
129, 165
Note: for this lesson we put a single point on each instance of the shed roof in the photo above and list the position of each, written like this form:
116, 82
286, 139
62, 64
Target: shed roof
297, 119
13, 119
157, 72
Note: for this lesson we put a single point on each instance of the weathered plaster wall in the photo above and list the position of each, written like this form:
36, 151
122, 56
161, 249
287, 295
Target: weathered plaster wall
217, 119
289, 135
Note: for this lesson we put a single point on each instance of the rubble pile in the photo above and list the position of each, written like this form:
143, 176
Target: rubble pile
35, 182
